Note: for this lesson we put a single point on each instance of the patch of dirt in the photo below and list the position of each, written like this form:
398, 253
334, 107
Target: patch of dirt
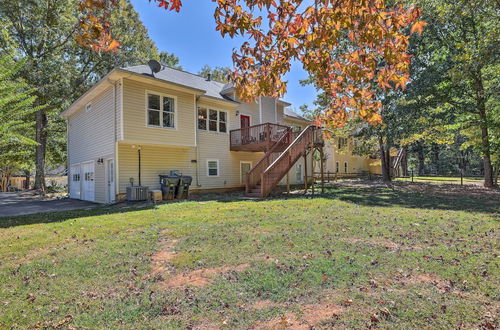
163, 256
381, 243
262, 304
385, 243
199, 277
311, 316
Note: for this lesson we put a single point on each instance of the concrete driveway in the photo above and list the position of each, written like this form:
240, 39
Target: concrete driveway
13, 204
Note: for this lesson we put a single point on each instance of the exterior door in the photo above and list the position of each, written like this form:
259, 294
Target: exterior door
110, 177
245, 132
74, 188
88, 184
244, 121
244, 169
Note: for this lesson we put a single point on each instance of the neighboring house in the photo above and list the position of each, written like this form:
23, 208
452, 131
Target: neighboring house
175, 120
341, 160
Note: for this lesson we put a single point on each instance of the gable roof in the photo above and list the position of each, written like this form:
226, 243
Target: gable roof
212, 88
207, 88
293, 114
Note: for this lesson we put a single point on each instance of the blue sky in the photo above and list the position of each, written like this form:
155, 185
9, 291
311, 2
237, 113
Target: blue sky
190, 34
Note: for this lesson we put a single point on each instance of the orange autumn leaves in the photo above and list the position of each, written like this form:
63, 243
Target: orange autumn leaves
353, 49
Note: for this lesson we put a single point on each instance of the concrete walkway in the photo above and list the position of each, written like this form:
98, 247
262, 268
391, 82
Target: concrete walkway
14, 204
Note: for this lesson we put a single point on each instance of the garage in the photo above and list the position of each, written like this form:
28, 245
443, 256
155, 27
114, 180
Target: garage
88, 183
74, 188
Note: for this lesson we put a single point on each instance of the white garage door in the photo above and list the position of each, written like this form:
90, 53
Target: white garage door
74, 191
88, 184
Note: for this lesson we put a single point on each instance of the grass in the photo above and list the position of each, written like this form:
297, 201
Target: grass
356, 257
444, 179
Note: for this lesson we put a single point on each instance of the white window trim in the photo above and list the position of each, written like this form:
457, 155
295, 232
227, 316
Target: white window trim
241, 173
208, 120
176, 112
218, 168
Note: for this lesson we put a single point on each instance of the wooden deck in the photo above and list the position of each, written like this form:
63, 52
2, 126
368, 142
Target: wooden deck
259, 138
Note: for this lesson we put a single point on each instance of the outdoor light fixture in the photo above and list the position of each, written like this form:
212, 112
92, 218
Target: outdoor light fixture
237, 112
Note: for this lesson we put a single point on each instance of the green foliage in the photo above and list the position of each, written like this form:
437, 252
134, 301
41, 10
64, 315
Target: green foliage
169, 60
217, 73
42, 34
16, 107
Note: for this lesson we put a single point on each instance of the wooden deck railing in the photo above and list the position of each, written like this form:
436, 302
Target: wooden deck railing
256, 138
254, 175
273, 174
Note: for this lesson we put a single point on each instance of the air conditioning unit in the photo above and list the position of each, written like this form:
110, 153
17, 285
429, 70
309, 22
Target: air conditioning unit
137, 193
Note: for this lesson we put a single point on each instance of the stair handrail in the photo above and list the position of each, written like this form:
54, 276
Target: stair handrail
266, 187
294, 142
260, 163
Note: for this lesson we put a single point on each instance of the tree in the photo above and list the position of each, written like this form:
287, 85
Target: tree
456, 76
169, 60
217, 73
16, 106
350, 47
58, 69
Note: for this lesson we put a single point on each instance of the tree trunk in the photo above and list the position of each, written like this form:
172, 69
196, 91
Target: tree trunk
404, 162
41, 139
435, 158
385, 158
483, 123
488, 168
421, 158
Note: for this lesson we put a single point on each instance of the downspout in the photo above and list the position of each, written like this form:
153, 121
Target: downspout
196, 140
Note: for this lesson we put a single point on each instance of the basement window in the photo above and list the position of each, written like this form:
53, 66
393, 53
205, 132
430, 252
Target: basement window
213, 167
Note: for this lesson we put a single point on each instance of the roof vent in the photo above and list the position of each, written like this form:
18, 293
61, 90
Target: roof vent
209, 76
155, 67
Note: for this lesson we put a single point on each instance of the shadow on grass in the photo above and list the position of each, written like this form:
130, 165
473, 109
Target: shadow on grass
419, 196
60, 216
416, 196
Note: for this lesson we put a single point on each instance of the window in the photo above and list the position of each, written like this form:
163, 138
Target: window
89, 176
337, 167
222, 122
298, 173
342, 143
296, 128
345, 167
212, 120
213, 167
202, 119
161, 111
76, 177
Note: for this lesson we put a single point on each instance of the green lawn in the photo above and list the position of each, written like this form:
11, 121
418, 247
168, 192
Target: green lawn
356, 257
443, 180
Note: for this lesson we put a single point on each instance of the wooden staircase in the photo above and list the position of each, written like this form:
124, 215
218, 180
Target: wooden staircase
276, 162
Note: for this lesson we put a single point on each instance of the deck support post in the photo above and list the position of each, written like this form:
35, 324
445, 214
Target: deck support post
305, 172
321, 157
287, 183
313, 167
